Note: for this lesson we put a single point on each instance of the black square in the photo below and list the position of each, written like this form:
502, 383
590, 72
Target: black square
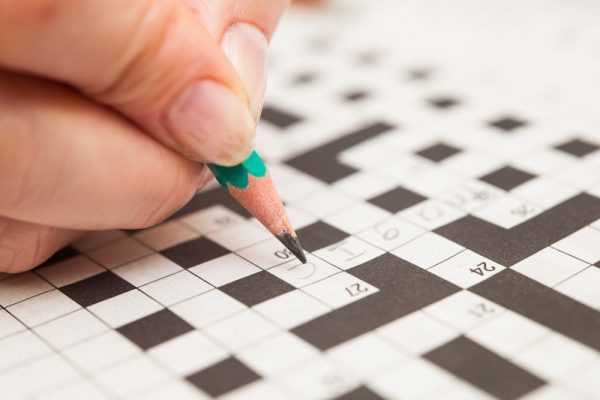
209, 198
356, 95
278, 117
155, 329
483, 368
397, 199
360, 393
256, 288
97, 288
318, 235
507, 123
194, 252
443, 102
368, 57
507, 178
303, 78
419, 74
578, 147
61, 255
223, 377
438, 152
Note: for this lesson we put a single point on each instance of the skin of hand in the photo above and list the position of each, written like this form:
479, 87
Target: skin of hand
110, 108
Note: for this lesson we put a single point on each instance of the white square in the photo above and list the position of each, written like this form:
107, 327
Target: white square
323, 202
319, 379
131, 375
301, 185
542, 161
549, 266
119, 252
124, 308
417, 333
349, 253
583, 244
212, 218
391, 233
297, 274
471, 195
175, 288
368, 155
71, 328
363, 185
356, 217
366, 354
36, 378
69, 271
253, 326
267, 253
110, 348
93, 240
428, 250
147, 269
587, 381
298, 217
8, 324
207, 308
508, 211
21, 348
179, 390
225, 269
508, 333
340, 289
277, 354
554, 392
42, 308
466, 269
545, 192
463, 310
80, 390
583, 287
555, 357
402, 169
166, 235
414, 380
431, 182
263, 390
458, 389
238, 236
21, 287
581, 174
431, 214
188, 353
471, 164
291, 309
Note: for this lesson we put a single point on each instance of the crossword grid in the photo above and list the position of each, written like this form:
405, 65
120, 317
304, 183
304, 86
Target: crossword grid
453, 253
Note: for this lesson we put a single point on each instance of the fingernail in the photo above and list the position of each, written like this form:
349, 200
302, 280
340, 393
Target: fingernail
204, 177
246, 47
212, 123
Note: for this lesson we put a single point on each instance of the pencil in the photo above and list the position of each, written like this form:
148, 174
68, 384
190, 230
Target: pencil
250, 185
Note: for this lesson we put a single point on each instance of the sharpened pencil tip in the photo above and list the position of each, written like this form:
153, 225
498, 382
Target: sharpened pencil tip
293, 245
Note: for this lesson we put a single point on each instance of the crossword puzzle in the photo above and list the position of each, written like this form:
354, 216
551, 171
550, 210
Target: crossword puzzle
449, 207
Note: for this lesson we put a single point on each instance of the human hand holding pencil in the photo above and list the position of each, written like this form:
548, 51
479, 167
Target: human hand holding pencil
110, 110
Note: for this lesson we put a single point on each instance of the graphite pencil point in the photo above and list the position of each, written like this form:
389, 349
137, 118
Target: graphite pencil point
292, 244
250, 184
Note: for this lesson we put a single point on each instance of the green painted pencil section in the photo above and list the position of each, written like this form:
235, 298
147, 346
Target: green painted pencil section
237, 176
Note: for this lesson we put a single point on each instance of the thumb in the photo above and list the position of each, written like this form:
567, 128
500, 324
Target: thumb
150, 60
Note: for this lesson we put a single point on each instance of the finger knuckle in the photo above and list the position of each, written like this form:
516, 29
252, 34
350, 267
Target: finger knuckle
169, 198
147, 33
20, 251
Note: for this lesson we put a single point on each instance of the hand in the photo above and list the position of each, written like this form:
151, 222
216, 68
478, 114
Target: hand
109, 109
